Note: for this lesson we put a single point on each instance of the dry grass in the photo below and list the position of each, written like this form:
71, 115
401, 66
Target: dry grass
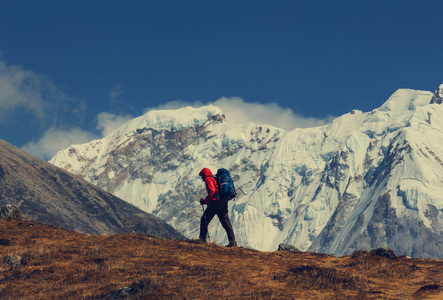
44, 262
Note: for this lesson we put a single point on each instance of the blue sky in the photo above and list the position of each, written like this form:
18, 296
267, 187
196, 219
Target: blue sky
71, 71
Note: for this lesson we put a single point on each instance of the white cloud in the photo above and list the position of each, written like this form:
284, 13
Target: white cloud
28, 91
174, 105
237, 111
108, 122
26, 97
115, 93
56, 139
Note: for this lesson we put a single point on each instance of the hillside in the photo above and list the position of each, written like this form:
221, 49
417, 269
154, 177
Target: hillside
366, 180
45, 193
45, 262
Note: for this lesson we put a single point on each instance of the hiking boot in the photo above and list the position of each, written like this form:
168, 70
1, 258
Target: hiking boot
232, 244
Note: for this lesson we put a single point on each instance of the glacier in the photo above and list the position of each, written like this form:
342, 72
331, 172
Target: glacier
365, 180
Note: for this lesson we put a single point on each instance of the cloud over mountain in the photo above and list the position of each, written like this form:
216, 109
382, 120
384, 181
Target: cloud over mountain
54, 139
238, 111
59, 120
26, 90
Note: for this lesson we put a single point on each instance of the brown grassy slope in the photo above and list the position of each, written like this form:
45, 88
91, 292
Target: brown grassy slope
45, 262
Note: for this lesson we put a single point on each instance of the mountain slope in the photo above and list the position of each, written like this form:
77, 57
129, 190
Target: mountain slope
47, 194
46, 262
364, 181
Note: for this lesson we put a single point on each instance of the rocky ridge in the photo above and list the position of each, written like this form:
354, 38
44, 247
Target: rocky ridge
45, 193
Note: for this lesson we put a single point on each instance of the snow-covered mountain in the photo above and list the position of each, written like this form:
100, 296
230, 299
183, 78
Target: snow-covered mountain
366, 180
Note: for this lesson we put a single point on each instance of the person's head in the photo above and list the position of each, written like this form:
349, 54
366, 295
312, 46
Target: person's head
205, 172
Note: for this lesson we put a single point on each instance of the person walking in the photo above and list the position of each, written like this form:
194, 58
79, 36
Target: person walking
215, 207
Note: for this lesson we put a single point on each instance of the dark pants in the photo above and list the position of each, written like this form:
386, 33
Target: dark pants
219, 208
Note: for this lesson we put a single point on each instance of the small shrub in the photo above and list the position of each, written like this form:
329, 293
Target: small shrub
430, 287
315, 277
383, 252
287, 247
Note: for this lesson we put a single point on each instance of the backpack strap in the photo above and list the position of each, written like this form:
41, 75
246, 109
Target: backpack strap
216, 195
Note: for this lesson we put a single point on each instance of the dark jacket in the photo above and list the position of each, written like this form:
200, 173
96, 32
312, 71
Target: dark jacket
211, 185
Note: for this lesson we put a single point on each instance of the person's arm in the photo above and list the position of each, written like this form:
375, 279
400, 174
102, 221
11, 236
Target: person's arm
211, 188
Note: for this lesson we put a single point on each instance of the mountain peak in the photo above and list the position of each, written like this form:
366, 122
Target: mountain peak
173, 120
438, 95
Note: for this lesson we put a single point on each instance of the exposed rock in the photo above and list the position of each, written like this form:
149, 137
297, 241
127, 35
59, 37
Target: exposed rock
9, 211
438, 95
123, 293
14, 261
287, 247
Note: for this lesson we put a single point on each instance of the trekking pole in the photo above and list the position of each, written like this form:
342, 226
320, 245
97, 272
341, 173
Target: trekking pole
207, 226
241, 191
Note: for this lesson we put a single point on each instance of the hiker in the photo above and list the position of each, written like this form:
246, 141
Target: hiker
215, 207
